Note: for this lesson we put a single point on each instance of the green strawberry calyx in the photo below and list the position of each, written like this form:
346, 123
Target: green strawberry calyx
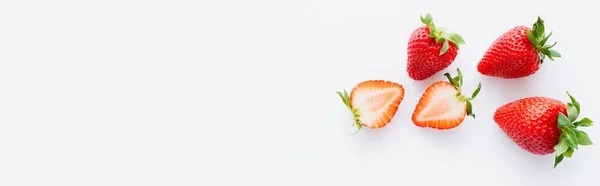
538, 38
571, 137
346, 100
441, 35
458, 82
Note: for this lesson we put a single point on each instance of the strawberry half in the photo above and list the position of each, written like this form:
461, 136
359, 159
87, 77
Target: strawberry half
442, 106
373, 103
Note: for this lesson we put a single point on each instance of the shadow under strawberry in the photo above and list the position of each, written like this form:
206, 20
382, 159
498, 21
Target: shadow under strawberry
509, 89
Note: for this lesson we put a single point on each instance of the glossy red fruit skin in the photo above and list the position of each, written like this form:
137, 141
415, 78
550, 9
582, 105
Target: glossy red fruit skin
511, 56
423, 55
531, 123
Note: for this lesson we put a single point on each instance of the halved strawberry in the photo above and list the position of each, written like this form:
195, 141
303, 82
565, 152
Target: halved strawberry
373, 103
442, 106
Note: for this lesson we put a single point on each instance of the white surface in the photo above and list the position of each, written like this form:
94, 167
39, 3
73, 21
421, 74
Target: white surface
243, 93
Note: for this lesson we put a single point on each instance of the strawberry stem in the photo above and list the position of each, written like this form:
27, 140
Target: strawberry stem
457, 82
571, 137
538, 38
441, 35
355, 112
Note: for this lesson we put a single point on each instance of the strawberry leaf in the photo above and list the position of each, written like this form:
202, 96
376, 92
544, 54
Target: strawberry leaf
585, 122
539, 40
440, 35
358, 125
574, 102
424, 21
572, 112
445, 47
460, 77
532, 38
553, 53
563, 121
344, 99
347, 97
341, 96
457, 79
548, 47
561, 147
470, 110
542, 57
538, 27
543, 42
439, 39
583, 138
452, 81
546, 52
476, 91
456, 39
569, 152
558, 159
571, 137
429, 18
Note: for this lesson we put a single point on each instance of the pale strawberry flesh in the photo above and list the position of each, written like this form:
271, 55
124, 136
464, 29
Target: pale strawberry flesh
440, 107
376, 101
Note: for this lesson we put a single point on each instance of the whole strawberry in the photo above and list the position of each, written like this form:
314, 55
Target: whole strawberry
430, 49
543, 125
518, 52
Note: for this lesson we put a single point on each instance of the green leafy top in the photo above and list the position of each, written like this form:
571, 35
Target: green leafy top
457, 82
440, 34
571, 137
538, 38
346, 100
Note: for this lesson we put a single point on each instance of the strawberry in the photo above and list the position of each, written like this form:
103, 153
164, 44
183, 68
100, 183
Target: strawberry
543, 125
517, 53
430, 49
442, 106
373, 103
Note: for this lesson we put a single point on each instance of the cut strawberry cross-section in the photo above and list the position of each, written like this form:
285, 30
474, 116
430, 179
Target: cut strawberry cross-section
373, 103
443, 106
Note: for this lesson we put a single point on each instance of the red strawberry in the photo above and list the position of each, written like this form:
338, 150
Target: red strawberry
430, 50
442, 106
373, 103
543, 125
518, 52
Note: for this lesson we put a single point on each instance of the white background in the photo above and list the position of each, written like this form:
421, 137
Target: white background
222, 92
